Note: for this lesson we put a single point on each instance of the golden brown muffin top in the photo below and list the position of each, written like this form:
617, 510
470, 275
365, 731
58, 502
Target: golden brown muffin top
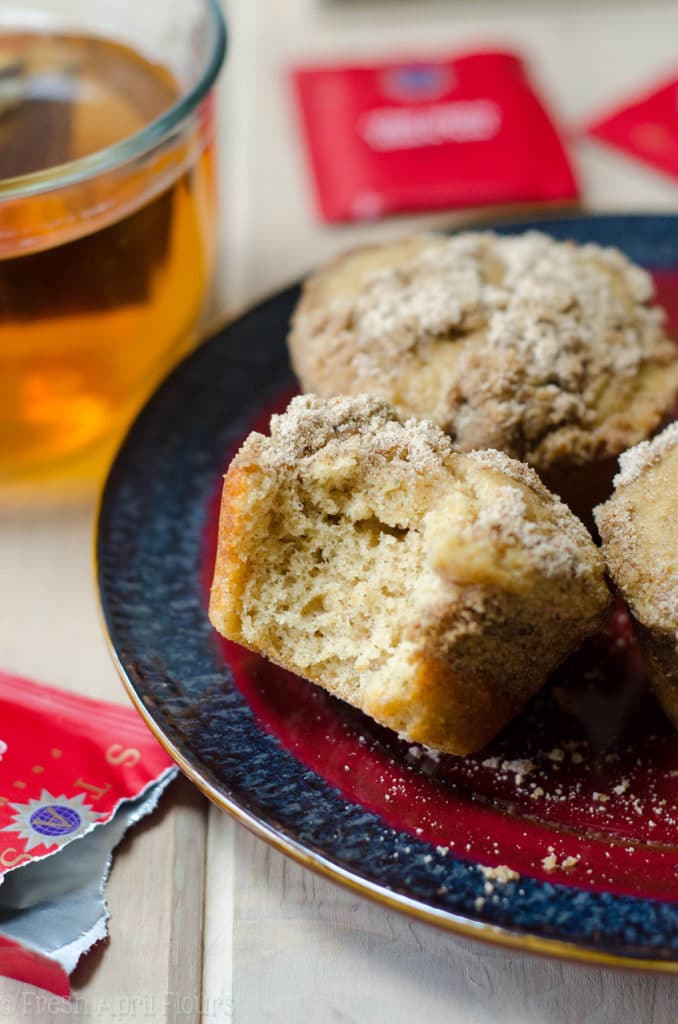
548, 350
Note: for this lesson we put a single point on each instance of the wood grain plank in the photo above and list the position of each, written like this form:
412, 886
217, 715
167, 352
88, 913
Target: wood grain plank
218, 937
187, 918
307, 950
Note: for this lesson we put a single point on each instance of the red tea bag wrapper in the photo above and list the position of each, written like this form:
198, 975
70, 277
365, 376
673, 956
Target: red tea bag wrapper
646, 127
74, 775
418, 135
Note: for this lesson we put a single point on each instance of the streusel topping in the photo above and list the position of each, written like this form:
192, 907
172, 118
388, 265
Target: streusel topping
545, 349
310, 423
639, 529
634, 461
558, 305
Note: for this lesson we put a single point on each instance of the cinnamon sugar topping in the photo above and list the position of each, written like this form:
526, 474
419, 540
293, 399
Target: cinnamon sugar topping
524, 343
556, 303
639, 529
310, 423
634, 461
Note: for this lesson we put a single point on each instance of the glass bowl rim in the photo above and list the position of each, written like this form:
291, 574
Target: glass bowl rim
135, 145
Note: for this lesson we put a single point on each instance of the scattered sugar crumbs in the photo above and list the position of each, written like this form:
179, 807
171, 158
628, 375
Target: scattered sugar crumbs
550, 861
544, 767
494, 876
544, 776
501, 875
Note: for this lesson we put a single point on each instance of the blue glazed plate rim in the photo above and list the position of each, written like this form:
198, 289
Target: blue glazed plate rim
136, 526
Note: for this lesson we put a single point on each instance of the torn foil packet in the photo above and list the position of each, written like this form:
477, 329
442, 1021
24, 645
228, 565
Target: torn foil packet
75, 773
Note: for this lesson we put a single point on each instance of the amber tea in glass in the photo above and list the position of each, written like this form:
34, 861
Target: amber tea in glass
106, 238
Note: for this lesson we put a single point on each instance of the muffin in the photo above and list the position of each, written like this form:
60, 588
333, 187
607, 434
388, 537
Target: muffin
639, 528
547, 350
433, 590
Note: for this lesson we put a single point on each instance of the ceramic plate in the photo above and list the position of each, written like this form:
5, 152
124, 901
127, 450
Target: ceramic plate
577, 797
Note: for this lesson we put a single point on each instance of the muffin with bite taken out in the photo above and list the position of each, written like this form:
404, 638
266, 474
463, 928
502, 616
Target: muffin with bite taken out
432, 589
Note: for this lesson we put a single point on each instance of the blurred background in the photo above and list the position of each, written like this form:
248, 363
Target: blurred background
584, 57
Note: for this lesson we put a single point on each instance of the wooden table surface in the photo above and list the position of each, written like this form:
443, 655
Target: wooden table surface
207, 922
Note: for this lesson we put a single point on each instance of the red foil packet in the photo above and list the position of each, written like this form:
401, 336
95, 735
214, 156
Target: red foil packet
646, 127
418, 135
74, 775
